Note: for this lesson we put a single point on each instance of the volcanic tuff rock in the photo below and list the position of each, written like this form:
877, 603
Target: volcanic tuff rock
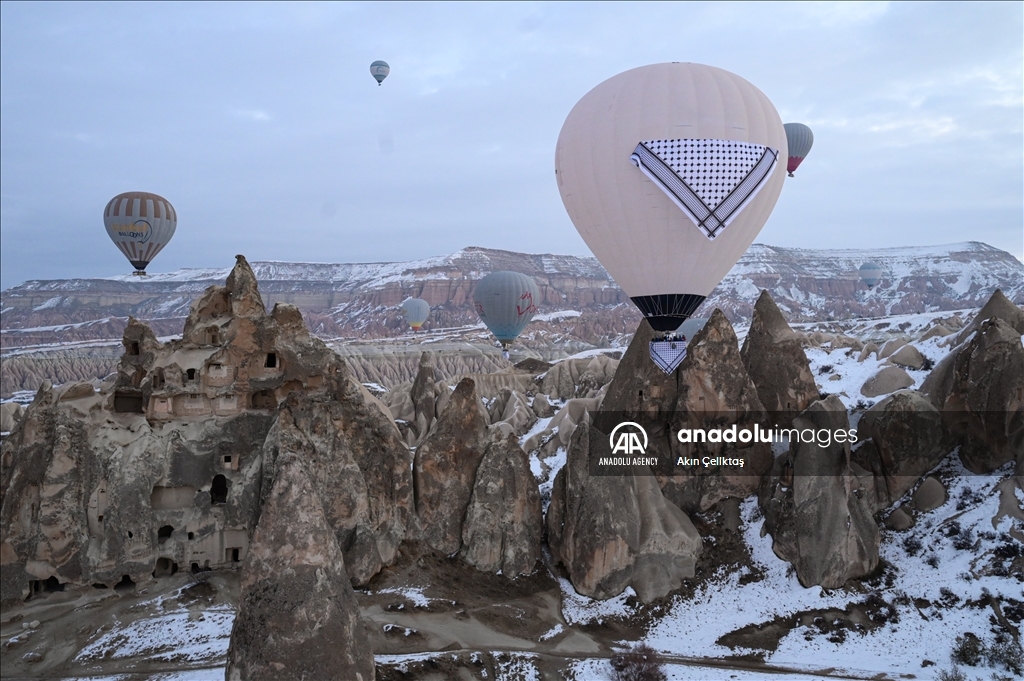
775, 359
611, 532
161, 469
297, 616
906, 441
996, 306
503, 525
886, 380
980, 390
358, 466
445, 468
818, 517
711, 388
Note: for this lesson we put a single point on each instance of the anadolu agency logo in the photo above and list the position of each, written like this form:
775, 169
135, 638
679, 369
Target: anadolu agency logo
628, 438
140, 230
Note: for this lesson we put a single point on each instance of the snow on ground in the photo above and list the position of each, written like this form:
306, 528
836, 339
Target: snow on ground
556, 315
174, 636
947, 576
577, 609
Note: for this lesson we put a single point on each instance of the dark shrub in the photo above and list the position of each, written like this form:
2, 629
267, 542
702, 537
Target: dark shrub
639, 663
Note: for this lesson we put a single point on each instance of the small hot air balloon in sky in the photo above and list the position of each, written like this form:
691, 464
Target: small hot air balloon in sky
506, 302
140, 224
380, 70
870, 274
668, 172
800, 139
415, 311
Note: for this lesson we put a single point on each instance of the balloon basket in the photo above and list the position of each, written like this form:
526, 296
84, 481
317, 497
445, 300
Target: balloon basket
139, 273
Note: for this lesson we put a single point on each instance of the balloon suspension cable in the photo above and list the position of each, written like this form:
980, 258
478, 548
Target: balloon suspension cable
668, 351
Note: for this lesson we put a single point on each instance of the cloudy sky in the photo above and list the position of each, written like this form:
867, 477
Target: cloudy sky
262, 124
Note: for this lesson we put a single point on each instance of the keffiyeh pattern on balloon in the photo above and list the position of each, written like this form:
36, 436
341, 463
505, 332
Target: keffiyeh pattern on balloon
711, 180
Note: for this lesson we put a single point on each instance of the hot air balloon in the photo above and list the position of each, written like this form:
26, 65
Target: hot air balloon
668, 172
140, 224
415, 311
506, 302
380, 70
870, 274
800, 139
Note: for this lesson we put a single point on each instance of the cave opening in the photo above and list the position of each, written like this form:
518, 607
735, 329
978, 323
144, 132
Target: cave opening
219, 490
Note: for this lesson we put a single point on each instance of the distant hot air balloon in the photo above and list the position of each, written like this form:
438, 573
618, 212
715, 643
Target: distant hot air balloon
870, 274
140, 224
668, 172
801, 139
415, 311
506, 302
380, 70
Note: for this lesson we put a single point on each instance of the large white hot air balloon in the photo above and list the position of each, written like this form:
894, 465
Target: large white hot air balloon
800, 139
415, 311
506, 302
140, 224
379, 70
668, 172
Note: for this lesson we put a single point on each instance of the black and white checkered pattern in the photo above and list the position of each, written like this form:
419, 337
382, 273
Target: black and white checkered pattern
710, 180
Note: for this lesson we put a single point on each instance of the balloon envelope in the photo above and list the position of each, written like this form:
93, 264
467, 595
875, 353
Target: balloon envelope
506, 302
870, 274
800, 139
379, 70
415, 311
668, 172
140, 224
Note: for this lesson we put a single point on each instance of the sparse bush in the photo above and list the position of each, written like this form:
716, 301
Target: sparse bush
639, 663
825, 369
1008, 550
927, 363
953, 674
823, 395
968, 650
1006, 654
949, 598
912, 545
932, 561
964, 540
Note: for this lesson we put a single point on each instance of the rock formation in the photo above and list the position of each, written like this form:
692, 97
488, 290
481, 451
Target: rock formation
297, 616
161, 469
818, 517
358, 465
775, 360
886, 380
445, 468
906, 440
979, 388
611, 532
996, 306
503, 523
710, 388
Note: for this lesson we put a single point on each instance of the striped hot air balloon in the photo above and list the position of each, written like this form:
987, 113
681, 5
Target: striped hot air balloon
870, 274
415, 311
800, 139
140, 224
379, 70
506, 302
